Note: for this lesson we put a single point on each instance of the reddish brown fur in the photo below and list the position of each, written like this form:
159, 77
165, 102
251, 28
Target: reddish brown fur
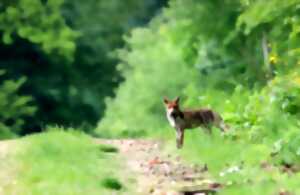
188, 119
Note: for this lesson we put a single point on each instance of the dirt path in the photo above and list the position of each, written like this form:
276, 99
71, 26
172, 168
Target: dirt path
160, 173
156, 171
8, 169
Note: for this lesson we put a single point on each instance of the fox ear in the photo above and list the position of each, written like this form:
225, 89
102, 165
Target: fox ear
177, 100
166, 101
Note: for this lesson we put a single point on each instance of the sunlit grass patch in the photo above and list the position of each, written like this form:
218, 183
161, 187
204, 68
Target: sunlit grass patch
68, 163
238, 164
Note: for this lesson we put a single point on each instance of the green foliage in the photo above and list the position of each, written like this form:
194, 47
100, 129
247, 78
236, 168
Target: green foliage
279, 26
65, 162
161, 54
13, 107
173, 57
239, 58
261, 13
64, 47
39, 22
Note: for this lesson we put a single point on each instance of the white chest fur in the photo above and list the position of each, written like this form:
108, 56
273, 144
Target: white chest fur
171, 119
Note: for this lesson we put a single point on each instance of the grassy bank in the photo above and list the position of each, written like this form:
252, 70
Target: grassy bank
242, 167
66, 163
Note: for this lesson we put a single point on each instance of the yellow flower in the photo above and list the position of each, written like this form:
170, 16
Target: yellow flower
297, 80
273, 59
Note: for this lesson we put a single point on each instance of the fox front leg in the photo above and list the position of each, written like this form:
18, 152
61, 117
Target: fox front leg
179, 138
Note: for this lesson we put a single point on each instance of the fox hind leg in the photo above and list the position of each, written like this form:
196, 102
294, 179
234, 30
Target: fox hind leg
219, 123
222, 126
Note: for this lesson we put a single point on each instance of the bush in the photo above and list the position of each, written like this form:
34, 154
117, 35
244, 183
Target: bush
13, 107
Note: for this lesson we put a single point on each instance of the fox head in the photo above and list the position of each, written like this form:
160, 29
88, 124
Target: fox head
172, 106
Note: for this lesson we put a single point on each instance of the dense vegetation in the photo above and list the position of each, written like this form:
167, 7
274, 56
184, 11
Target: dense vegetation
240, 58
72, 63
64, 49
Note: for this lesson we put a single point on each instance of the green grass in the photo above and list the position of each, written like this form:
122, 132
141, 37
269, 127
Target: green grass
222, 153
67, 163
70, 163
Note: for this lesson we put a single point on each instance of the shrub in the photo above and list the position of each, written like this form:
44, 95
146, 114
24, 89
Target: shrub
13, 107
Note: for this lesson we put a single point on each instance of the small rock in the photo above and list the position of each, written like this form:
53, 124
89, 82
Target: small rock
284, 192
151, 190
215, 185
157, 192
154, 161
173, 182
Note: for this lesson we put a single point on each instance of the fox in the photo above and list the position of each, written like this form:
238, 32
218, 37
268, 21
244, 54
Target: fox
190, 119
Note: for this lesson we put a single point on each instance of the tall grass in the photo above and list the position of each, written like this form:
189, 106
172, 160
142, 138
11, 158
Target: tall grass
67, 163
242, 167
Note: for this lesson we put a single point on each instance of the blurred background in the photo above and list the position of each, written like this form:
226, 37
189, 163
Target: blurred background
57, 59
103, 67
